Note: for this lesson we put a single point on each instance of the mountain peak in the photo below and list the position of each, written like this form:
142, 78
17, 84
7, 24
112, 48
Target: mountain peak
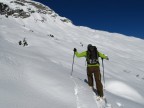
25, 8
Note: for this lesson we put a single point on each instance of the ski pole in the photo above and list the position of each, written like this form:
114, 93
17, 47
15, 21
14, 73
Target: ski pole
103, 72
73, 63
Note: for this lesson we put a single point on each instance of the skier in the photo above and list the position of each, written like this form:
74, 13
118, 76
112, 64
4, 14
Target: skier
92, 56
20, 42
25, 42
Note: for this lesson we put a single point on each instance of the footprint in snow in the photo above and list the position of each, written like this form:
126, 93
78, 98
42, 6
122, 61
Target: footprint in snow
119, 104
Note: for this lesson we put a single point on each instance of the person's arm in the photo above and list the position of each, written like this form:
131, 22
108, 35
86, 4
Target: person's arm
82, 54
103, 56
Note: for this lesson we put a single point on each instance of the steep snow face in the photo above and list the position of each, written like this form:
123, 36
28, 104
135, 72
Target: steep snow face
38, 75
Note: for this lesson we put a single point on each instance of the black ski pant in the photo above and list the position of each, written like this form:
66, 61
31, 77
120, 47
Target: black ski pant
96, 71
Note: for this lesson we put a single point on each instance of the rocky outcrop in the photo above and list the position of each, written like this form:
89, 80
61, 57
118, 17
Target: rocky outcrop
21, 13
66, 20
5, 10
30, 8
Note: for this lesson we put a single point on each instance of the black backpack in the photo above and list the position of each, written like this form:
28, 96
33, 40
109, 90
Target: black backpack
92, 55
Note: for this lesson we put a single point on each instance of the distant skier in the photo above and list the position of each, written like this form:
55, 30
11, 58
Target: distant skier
20, 42
25, 42
93, 64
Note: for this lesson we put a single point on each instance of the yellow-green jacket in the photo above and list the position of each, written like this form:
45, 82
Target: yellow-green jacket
84, 54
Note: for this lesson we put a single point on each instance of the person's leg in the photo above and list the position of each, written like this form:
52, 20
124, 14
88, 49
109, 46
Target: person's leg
99, 85
90, 76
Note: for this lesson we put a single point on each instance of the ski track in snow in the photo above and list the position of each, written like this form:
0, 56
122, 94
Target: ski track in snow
81, 94
84, 91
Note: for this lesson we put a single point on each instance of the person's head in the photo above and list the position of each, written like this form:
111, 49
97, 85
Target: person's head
91, 48
89, 45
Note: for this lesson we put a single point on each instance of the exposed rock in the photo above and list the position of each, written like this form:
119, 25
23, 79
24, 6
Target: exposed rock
19, 3
5, 10
20, 13
66, 20
54, 15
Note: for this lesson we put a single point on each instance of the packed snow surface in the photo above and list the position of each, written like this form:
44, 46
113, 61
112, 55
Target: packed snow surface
38, 75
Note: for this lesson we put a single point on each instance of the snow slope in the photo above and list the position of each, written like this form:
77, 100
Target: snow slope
38, 75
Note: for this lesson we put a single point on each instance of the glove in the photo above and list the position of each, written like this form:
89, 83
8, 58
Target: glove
75, 50
107, 58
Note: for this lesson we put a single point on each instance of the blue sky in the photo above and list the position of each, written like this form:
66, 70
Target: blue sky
119, 16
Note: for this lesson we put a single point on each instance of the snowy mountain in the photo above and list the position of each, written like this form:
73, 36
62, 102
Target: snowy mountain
38, 75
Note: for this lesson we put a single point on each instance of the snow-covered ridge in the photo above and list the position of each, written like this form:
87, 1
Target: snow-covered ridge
24, 9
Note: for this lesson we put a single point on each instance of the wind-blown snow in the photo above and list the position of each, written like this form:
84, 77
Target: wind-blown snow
125, 91
38, 75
